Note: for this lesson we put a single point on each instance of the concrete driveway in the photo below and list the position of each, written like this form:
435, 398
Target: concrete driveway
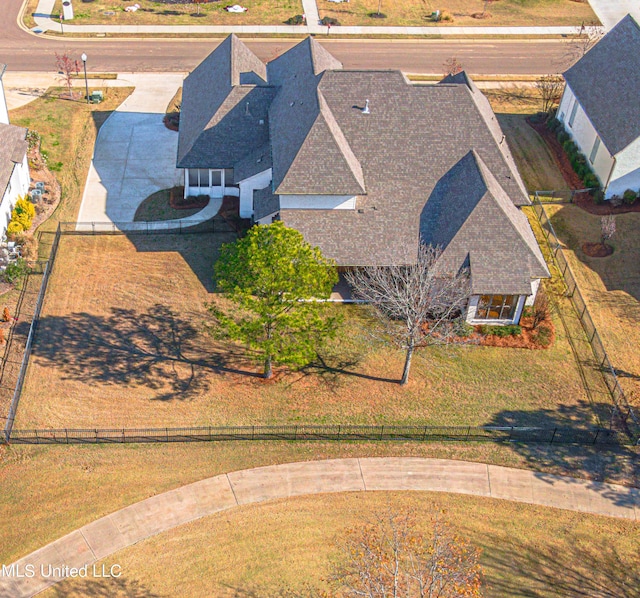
611, 11
135, 154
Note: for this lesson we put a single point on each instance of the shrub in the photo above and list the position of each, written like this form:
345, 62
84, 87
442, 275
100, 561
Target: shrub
445, 15
591, 180
29, 247
295, 20
14, 228
6, 314
329, 21
570, 147
462, 328
21, 219
553, 124
543, 336
598, 196
562, 136
24, 206
629, 196
16, 270
502, 331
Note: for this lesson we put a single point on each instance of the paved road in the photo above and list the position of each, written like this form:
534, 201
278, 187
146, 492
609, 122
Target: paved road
22, 51
165, 511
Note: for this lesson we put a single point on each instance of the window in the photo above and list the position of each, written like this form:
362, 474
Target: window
198, 177
573, 113
228, 177
497, 307
594, 149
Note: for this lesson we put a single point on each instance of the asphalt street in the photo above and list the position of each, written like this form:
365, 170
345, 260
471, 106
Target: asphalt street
23, 51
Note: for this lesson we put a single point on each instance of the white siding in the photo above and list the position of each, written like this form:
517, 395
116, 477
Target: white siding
626, 172
535, 285
318, 202
4, 113
248, 186
18, 185
584, 134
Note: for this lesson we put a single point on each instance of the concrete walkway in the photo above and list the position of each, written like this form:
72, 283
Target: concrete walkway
44, 22
163, 512
135, 156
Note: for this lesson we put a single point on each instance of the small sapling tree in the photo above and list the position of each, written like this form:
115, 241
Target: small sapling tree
607, 227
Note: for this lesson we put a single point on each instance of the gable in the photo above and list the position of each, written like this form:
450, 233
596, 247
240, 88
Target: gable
606, 83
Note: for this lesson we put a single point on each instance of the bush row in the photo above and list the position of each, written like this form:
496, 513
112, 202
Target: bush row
578, 160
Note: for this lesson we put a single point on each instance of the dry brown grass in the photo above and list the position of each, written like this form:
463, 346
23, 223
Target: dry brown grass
610, 286
259, 550
48, 491
260, 12
122, 343
407, 13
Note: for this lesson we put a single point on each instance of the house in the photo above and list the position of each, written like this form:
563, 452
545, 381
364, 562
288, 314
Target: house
14, 167
364, 164
601, 111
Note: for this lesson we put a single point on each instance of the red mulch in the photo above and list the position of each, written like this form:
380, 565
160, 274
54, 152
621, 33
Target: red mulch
582, 200
170, 122
526, 340
597, 249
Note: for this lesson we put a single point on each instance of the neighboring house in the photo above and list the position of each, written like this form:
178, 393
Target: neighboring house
364, 164
600, 107
14, 167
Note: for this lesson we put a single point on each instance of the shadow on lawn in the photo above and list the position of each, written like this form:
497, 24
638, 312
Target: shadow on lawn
611, 462
104, 588
584, 567
159, 349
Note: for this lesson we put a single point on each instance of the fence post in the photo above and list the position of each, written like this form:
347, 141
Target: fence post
553, 435
595, 439
66, 434
381, 433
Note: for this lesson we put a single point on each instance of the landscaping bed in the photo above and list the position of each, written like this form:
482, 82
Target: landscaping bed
123, 343
168, 204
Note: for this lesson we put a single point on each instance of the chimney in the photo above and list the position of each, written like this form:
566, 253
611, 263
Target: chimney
366, 110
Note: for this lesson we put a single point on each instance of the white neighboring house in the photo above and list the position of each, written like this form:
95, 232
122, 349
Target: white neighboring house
14, 167
600, 107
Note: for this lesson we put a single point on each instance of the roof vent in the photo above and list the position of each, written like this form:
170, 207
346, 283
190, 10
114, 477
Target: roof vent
246, 109
366, 110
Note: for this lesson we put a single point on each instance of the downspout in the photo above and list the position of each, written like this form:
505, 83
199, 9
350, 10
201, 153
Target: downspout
610, 173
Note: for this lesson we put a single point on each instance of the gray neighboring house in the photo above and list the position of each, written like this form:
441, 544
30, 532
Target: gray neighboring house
364, 164
600, 107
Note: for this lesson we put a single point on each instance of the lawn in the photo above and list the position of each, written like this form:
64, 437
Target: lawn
159, 12
610, 286
260, 550
406, 13
122, 343
48, 491
68, 130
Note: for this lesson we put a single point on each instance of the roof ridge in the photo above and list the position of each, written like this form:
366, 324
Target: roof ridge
341, 141
506, 205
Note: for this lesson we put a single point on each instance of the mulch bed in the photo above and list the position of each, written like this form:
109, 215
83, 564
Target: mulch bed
597, 249
177, 202
526, 340
582, 200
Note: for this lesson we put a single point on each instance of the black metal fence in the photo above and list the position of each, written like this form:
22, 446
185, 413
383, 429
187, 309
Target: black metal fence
169, 227
46, 268
573, 292
560, 435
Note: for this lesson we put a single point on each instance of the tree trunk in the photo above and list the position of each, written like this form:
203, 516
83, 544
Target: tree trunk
268, 372
407, 365
379, 5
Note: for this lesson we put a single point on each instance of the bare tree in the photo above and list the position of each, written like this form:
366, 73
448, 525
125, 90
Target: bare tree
540, 311
392, 557
198, 3
66, 68
550, 89
452, 66
485, 5
417, 303
607, 227
587, 36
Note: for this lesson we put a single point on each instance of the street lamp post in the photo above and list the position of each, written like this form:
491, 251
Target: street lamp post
86, 83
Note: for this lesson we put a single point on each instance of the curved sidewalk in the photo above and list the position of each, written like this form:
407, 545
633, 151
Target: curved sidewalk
163, 512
